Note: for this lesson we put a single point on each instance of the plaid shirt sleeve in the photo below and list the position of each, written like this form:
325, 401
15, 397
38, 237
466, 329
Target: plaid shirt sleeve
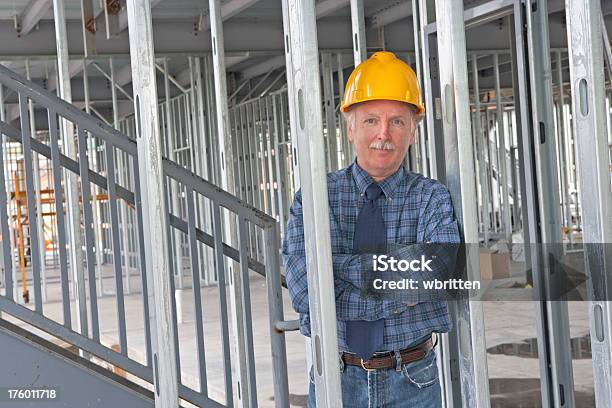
350, 303
441, 225
440, 228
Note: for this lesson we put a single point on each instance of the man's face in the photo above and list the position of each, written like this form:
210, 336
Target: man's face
381, 132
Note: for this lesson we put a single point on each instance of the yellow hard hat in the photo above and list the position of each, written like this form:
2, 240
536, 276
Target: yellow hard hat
382, 77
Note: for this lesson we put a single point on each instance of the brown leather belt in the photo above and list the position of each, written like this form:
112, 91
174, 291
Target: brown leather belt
389, 360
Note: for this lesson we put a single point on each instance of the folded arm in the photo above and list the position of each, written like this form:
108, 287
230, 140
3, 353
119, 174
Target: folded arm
351, 304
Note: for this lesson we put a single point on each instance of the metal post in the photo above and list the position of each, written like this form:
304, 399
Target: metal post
291, 96
360, 52
175, 191
329, 111
269, 146
37, 189
555, 315
587, 80
93, 155
481, 143
279, 166
467, 344
431, 94
539, 218
5, 232
422, 137
490, 155
208, 261
562, 143
347, 146
304, 69
89, 27
503, 163
11, 279
120, 167
72, 189
154, 213
244, 373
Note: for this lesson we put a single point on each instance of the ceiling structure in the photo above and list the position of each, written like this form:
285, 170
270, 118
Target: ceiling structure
253, 36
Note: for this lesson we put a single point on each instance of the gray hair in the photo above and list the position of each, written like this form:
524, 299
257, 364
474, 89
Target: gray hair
349, 116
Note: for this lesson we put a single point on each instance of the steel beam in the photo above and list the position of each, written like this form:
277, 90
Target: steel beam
229, 10
154, 213
326, 7
31, 15
467, 340
304, 68
391, 14
584, 28
483, 13
122, 17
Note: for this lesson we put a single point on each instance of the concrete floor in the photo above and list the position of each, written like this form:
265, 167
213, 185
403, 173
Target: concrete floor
510, 339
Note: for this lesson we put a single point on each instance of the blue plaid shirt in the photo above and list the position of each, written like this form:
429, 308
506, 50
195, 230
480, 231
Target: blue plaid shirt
415, 209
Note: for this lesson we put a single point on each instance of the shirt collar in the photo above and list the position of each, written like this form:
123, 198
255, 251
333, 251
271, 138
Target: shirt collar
388, 185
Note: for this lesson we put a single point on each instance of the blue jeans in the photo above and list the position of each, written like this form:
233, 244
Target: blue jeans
416, 385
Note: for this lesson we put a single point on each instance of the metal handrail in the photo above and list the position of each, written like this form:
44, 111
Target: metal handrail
195, 186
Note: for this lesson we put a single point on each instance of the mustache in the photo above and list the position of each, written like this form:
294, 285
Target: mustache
382, 145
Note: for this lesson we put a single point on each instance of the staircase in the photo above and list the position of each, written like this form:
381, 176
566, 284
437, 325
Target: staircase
30, 359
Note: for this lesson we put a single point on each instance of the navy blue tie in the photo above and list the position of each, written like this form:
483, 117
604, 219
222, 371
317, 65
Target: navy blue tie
362, 337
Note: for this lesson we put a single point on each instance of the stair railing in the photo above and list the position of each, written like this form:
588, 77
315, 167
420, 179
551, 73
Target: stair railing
87, 126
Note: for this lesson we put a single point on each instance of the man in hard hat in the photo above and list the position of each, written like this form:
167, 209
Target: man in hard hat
386, 347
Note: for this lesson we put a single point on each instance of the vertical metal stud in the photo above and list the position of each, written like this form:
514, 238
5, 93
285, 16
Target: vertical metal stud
152, 187
7, 254
197, 296
223, 321
329, 108
482, 142
37, 195
72, 189
586, 72
502, 167
89, 27
360, 52
226, 182
32, 216
471, 387
291, 96
89, 232
304, 69
554, 318
418, 44
59, 214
